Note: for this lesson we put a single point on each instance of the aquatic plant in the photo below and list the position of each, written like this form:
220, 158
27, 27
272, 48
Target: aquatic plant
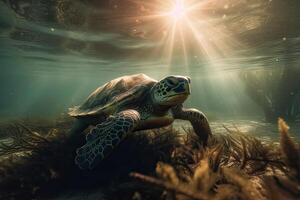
276, 91
242, 168
165, 163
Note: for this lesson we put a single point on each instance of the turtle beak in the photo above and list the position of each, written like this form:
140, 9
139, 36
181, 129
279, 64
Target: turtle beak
188, 88
188, 85
189, 79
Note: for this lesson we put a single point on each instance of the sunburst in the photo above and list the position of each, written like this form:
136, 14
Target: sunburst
178, 10
188, 29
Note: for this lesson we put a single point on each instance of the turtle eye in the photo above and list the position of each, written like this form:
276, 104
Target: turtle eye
171, 82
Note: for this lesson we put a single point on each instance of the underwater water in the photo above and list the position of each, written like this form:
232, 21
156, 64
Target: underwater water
55, 53
243, 59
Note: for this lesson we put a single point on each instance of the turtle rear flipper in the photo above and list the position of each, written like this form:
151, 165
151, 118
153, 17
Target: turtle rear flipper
104, 137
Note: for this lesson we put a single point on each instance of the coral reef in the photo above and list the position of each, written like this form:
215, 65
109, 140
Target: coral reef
166, 163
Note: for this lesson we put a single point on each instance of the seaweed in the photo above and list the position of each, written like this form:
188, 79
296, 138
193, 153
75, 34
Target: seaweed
236, 166
167, 163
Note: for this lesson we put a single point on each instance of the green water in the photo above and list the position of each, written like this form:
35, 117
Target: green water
55, 53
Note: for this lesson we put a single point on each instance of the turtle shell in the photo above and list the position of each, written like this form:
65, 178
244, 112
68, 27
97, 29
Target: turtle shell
115, 95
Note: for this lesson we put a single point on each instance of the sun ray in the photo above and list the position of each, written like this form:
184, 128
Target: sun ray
183, 30
170, 45
202, 44
182, 39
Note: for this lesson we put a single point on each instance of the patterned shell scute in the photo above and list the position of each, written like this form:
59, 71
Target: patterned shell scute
118, 92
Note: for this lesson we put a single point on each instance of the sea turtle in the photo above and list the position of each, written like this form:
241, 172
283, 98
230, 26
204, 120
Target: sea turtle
131, 103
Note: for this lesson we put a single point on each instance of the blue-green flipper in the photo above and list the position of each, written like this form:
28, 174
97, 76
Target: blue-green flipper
104, 137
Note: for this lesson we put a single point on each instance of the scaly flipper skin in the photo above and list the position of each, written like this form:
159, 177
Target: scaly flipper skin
104, 137
198, 120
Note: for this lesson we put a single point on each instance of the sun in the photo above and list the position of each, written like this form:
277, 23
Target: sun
178, 10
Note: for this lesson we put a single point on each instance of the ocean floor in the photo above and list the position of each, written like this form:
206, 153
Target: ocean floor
267, 131
243, 160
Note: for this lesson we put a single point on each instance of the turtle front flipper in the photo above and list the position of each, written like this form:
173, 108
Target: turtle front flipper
198, 120
104, 137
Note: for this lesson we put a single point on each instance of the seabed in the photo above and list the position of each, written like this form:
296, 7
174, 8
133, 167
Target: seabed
168, 163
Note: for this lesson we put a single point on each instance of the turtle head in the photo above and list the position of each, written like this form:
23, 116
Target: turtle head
171, 90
